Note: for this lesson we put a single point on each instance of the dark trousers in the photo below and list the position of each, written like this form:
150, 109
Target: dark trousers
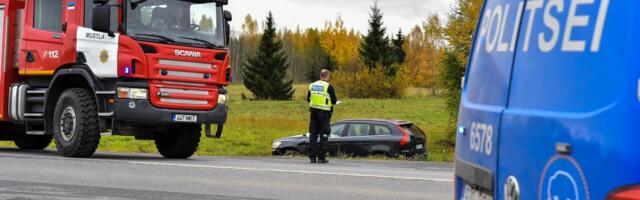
319, 130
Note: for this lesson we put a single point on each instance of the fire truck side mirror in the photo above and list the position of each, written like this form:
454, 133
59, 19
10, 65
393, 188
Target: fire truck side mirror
102, 18
227, 28
100, 2
227, 16
222, 2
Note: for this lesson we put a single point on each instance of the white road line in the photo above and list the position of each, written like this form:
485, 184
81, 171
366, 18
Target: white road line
291, 171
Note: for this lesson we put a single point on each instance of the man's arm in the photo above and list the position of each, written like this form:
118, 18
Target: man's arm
309, 97
332, 94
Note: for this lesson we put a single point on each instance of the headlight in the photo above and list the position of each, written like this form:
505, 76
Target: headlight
133, 93
276, 144
222, 99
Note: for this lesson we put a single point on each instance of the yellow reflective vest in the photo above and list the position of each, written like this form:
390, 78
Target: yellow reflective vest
320, 98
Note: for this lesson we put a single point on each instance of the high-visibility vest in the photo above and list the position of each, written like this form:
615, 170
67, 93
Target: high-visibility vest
320, 98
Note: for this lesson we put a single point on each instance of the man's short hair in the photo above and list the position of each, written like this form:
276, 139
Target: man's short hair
324, 73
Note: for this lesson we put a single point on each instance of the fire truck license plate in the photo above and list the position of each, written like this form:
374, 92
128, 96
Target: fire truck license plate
470, 193
185, 118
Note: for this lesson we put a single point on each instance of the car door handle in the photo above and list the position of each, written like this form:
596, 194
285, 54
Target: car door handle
57, 36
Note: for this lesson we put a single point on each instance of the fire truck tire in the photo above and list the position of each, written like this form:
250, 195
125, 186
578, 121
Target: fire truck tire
31, 142
179, 143
75, 124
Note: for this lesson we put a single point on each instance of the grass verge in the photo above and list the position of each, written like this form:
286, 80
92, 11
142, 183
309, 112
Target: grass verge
252, 125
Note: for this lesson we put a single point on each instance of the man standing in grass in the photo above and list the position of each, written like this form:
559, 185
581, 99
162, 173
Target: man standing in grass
321, 98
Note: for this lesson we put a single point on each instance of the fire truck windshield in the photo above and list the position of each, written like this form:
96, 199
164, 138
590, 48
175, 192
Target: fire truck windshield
176, 22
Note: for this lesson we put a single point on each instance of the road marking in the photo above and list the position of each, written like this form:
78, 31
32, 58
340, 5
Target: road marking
291, 171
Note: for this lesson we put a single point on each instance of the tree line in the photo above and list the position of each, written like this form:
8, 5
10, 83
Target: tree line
431, 55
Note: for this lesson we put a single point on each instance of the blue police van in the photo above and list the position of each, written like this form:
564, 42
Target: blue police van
550, 106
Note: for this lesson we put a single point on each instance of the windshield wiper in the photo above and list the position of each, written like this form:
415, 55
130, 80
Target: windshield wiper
205, 42
163, 38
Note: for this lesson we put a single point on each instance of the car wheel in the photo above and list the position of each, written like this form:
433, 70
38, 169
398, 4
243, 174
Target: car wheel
291, 153
393, 154
75, 124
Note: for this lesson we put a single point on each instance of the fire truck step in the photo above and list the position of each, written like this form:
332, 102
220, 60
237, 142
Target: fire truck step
33, 115
36, 91
35, 132
36, 99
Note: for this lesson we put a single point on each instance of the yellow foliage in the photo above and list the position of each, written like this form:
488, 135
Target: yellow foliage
366, 83
341, 44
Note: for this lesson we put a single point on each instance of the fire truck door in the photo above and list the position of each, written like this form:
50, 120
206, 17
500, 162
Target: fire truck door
43, 36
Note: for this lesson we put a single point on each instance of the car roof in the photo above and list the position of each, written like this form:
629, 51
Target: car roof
391, 121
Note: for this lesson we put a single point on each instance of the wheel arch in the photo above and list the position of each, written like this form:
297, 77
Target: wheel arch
72, 76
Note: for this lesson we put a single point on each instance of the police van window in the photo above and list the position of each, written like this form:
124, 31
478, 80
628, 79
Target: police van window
359, 130
88, 14
381, 130
47, 15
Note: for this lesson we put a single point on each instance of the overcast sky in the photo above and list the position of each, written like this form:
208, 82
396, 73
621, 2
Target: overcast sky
313, 13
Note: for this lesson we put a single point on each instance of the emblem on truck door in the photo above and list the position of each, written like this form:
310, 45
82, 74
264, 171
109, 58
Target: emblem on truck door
104, 56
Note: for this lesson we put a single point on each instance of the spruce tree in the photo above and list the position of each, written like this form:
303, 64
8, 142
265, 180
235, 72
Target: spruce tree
265, 73
375, 49
398, 48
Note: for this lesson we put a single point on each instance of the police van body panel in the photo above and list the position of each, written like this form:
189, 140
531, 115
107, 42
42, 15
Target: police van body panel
550, 105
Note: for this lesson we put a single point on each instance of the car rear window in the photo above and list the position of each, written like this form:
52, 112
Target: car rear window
381, 130
413, 130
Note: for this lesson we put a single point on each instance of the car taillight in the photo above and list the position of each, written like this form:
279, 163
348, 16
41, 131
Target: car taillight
406, 138
630, 193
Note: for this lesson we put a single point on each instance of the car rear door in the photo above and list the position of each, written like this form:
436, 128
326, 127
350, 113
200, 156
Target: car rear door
382, 140
484, 98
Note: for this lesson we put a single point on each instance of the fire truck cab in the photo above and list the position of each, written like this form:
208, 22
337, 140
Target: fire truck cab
73, 70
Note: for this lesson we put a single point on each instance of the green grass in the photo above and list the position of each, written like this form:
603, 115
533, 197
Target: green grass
252, 125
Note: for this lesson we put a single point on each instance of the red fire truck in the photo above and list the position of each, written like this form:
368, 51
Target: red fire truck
73, 70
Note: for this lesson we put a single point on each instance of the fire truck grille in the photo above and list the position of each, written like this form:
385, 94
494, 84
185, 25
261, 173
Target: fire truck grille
184, 85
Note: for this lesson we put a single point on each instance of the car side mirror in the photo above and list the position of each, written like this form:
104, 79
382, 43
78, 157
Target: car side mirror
102, 19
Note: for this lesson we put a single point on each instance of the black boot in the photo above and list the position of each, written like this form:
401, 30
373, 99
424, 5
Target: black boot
313, 160
323, 161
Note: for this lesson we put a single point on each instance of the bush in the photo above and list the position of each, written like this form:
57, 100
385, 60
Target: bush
365, 83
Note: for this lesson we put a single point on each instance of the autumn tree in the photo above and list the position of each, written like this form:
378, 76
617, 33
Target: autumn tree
459, 31
341, 45
243, 44
265, 73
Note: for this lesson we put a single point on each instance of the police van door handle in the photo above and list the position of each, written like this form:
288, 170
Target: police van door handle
57, 36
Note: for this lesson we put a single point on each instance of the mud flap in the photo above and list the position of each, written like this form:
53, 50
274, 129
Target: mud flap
207, 131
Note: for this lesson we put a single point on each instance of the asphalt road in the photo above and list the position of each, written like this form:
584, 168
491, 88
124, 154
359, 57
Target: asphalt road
44, 175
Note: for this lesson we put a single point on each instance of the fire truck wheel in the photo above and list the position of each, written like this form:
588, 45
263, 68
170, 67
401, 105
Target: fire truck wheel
75, 123
31, 142
179, 143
